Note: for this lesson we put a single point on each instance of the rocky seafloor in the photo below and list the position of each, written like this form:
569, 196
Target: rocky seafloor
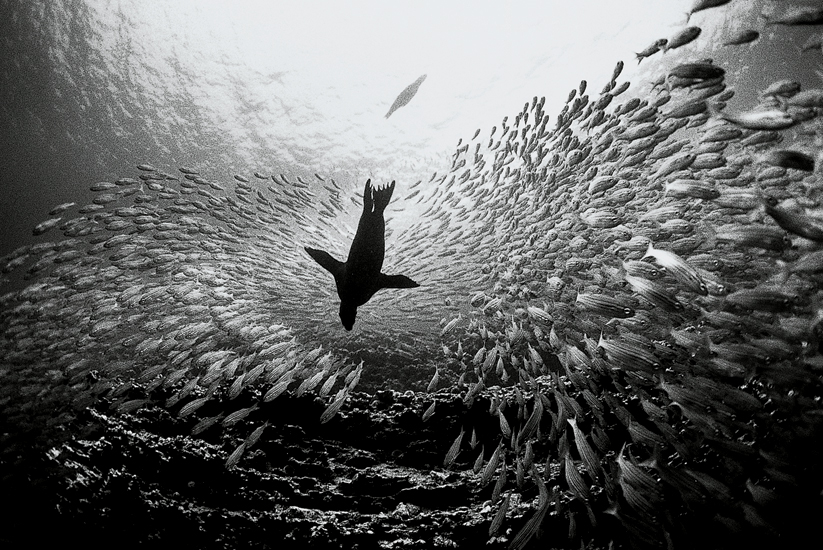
372, 477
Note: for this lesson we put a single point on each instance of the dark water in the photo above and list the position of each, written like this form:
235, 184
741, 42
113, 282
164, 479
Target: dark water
188, 271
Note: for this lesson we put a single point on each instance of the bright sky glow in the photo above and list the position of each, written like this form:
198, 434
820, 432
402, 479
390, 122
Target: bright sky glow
327, 72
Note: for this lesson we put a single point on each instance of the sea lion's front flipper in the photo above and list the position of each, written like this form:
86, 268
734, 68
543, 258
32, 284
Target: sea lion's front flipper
328, 263
395, 281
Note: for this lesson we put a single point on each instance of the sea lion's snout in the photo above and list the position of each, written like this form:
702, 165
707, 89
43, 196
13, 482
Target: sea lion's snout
347, 316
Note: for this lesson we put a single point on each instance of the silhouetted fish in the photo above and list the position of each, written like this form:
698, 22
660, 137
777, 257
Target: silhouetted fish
406, 95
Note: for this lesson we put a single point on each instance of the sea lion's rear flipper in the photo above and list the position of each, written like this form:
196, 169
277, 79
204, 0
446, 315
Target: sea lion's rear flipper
395, 281
382, 197
368, 201
328, 263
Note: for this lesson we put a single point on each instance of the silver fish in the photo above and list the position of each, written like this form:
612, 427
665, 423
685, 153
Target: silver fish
406, 95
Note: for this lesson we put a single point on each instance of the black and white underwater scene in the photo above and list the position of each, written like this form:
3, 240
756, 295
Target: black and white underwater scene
411, 275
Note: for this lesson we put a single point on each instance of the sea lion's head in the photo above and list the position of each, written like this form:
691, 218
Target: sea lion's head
347, 315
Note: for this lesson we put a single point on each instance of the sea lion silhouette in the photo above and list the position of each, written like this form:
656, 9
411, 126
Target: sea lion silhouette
360, 278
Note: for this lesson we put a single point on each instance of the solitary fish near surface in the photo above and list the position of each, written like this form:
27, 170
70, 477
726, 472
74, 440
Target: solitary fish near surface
406, 95
359, 278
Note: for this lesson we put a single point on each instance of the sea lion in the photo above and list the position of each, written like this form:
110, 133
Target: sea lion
360, 278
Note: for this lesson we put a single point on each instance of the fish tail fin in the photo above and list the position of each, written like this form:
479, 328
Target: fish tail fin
709, 236
382, 197
713, 110
817, 307
639, 58
656, 461
784, 272
757, 213
766, 207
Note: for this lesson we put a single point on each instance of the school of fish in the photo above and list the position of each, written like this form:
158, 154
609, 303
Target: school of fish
643, 273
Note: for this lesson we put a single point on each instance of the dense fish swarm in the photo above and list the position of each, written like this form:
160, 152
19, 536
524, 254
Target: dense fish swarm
645, 275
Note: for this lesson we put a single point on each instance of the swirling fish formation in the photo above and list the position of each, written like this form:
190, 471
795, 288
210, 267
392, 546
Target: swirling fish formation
661, 264
163, 291
644, 275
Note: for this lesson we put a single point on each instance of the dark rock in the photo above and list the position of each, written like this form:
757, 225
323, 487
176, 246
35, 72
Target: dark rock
436, 498
373, 480
374, 484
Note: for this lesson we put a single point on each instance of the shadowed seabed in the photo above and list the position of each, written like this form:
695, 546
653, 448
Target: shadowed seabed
628, 349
